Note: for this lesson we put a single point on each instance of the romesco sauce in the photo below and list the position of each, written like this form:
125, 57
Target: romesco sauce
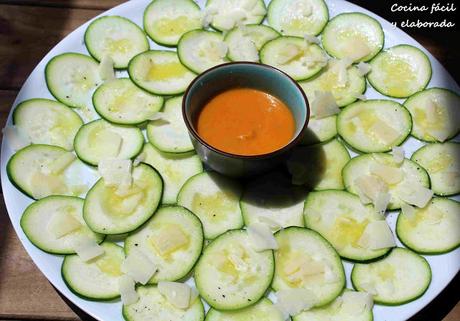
246, 122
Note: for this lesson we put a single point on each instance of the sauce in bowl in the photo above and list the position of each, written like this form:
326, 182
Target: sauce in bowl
245, 121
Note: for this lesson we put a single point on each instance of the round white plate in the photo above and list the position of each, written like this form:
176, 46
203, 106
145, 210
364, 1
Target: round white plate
444, 267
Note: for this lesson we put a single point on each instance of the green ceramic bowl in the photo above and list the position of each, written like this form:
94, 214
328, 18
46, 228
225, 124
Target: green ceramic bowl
243, 75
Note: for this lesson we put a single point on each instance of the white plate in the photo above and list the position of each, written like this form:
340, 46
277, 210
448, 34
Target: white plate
444, 267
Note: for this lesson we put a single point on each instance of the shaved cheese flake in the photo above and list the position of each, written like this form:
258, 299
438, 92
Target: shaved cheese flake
356, 303
398, 154
311, 39
139, 267
59, 164
15, 138
340, 69
371, 186
106, 71
227, 21
324, 105
288, 53
139, 159
87, 248
389, 174
377, 235
127, 288
384, 132
109, 142
381, 203
208, 15
261, 237
415, 194
116, 172
291, 302
178, 294
408, 211
62, 224
311, 61
363, 68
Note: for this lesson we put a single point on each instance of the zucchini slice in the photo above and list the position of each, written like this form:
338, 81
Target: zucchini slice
109, 213
200, 50
340, 217
400, 71
121, 102
215, 200
434, 229
374, 125
442, 162
350, 306
319, 167
71, 78
353, 35
294, 56
306, 260
397, 176
229, 265
344, 83
435, 114
47, 122
39, 216
399, 278
42, 170
152, 305
116, 37
166, 21
175, 169
100, 139
170, 134
298, 17
227, 14
98, 278
244, 42
320, 130
262, 310
172, 239
160, 72
272, 199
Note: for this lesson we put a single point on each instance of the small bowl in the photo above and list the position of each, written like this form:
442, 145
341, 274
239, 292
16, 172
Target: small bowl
243, 75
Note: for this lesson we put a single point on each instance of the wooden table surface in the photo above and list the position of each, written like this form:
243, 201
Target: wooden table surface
28, 30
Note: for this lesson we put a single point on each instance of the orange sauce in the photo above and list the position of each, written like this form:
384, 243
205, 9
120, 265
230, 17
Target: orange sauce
246, 122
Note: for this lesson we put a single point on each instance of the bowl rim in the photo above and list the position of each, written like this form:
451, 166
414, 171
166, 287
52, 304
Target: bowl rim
274, 153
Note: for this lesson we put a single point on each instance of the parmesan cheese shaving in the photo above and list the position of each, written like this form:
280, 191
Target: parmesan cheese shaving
261, 237
363, 68
408, 211
384, 132
398, 154
311, 39
389, 174
15, 138
159, 116
340, 67
62, 224
291, 302
381, 203
356, 303
106, 71
324, 105
139, 159
116, 172
377, 235
178, 294
415, 194
138, 266
59, 164
87, 248
371, 186
127, 289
